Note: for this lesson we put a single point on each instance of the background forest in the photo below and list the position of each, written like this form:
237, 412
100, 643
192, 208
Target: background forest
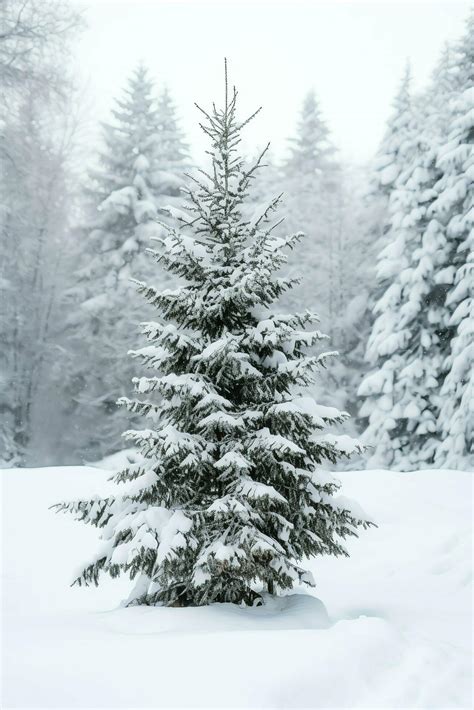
387, 261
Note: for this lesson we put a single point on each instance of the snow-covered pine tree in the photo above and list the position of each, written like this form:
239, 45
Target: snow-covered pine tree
388, 163
311, 147
385, 169
403, 347
409, 336
390, 158
171, 150
454, 208
229, 498
140, 169
310, 176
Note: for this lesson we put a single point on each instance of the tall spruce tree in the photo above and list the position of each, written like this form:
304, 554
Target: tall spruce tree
140, 170
454, 208
385, 169
404, 347
419, 394
229, 498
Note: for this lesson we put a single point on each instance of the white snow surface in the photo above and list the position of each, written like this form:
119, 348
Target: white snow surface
396, 633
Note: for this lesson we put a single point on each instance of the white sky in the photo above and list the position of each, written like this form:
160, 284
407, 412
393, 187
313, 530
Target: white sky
352, 53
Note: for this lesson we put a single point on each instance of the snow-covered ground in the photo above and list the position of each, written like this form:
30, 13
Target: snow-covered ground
397, 634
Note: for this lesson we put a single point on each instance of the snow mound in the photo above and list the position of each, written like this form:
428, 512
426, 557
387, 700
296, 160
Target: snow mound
297, 611
396, 634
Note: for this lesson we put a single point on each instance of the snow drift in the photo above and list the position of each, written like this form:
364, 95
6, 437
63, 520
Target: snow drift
392, 628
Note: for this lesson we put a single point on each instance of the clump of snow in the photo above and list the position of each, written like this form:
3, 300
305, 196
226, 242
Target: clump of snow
172, 535
392, 629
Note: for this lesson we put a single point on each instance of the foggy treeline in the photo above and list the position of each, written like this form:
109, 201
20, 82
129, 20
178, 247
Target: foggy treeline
385, 261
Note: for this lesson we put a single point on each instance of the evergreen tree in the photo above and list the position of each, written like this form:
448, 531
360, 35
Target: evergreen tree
140, 170
387, 165
454, 208
403, 347
310, 180
411, 335
390, 157
385, 169
310, 149
229, 498
171, 150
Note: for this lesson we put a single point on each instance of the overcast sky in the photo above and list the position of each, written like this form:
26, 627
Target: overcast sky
352, 53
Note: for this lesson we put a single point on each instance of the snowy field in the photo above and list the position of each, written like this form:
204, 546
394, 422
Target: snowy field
396, 634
